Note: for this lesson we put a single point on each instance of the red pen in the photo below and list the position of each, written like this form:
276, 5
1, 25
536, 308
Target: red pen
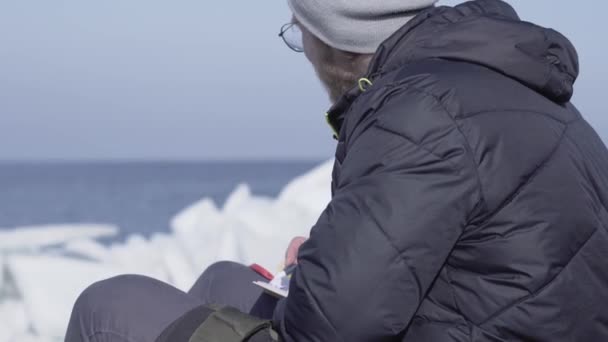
262, 271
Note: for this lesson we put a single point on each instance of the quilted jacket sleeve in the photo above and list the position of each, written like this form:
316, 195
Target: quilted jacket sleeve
398, 210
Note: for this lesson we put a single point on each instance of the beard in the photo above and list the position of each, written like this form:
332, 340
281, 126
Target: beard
336, 83
338, 77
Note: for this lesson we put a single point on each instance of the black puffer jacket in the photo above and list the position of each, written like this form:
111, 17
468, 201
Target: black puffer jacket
469, 195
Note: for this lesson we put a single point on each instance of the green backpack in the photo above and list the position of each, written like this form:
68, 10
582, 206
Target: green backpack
230, 325
223, 324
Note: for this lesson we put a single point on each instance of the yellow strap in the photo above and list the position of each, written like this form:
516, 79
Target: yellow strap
364, 83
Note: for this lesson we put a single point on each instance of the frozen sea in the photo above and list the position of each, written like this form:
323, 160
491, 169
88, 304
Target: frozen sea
66, 226
136, 197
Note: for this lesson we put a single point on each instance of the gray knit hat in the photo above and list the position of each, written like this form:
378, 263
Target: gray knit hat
358, 26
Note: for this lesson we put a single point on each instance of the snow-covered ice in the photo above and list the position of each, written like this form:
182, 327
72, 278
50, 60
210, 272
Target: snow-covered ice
43, 269
33, 238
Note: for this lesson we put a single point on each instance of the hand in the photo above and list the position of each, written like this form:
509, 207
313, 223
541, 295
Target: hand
291, 256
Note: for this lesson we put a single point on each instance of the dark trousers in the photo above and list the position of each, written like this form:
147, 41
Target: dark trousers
133, 308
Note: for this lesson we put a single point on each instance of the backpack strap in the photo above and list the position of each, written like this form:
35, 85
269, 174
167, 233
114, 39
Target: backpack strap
230, 325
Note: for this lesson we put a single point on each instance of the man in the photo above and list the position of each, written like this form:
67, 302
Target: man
468, 192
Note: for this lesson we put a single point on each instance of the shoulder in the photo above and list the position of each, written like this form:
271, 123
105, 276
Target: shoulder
504, 128
414, 103
467, 113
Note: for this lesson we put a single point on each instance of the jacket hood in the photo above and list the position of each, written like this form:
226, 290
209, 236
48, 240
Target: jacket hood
488, 33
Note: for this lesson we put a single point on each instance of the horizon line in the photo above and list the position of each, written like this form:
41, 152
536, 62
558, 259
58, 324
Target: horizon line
160, 160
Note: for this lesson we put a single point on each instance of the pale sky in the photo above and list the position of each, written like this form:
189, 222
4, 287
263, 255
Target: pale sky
149, 79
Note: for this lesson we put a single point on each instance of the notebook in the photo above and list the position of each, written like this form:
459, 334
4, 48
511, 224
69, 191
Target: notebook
279, 285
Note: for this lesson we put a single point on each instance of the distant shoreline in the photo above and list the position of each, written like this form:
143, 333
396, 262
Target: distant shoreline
64, 162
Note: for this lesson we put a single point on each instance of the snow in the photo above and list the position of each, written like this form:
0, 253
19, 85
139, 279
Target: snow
44, 269
32, 238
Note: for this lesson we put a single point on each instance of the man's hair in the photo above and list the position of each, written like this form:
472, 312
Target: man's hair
338, 70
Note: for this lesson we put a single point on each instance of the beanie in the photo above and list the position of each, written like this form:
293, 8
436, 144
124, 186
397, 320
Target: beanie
358, 26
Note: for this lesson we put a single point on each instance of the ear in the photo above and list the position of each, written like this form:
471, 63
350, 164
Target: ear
310, 44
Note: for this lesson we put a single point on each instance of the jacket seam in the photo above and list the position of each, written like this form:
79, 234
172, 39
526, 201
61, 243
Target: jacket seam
317, 306
401, 258
467, 145
451, 288
466, 323
542, 288
418, 145
600, 199
349, 139
396, 249
517, 110
408, 58
531, 177
377, 123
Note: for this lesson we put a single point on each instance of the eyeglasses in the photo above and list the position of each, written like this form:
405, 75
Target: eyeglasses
292, 36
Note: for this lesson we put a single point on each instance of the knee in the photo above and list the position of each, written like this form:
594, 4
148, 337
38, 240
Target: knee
221, 272
121, 299
222, 268
217, 274
104, 294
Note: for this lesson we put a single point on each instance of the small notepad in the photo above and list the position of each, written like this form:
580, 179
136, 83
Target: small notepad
272, 289
279, 286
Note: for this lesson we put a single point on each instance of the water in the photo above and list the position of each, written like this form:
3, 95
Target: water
137, 197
